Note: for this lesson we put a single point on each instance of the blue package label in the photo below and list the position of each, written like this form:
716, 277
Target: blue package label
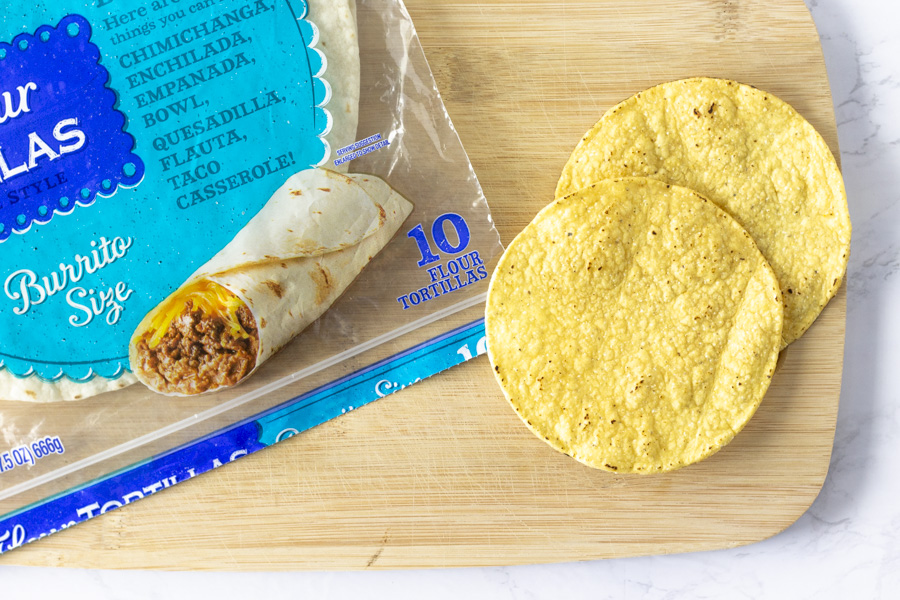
137, 138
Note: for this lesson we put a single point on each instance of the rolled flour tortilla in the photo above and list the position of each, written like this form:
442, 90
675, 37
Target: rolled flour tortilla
279, 274
338, 40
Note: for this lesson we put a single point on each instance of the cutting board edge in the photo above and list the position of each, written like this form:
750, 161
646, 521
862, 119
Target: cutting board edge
384, 559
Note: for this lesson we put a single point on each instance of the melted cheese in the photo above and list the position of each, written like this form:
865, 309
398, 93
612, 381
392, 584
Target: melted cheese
209, 297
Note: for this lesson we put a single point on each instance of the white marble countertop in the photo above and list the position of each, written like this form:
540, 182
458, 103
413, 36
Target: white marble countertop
846, 546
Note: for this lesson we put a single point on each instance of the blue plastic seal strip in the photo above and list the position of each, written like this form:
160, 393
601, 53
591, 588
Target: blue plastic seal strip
292, 417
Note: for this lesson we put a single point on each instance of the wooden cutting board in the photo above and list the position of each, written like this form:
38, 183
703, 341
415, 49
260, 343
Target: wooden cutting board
444, 473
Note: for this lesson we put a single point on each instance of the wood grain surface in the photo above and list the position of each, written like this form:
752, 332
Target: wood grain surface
444, 473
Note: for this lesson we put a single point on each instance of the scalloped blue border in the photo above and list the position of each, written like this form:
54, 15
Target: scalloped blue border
77, 373
321, 93
32, 214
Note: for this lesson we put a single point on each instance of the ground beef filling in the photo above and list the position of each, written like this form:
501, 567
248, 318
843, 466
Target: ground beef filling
198, 353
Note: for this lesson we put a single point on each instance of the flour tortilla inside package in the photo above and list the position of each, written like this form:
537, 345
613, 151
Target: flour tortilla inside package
214, 217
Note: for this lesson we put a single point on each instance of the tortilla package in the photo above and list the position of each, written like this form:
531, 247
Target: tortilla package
279, 274
221, 224
338, 42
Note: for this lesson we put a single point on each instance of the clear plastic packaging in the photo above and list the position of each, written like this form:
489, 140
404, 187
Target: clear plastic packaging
427, 283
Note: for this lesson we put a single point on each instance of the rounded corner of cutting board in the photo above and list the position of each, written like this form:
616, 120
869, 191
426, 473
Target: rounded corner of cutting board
454, 479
